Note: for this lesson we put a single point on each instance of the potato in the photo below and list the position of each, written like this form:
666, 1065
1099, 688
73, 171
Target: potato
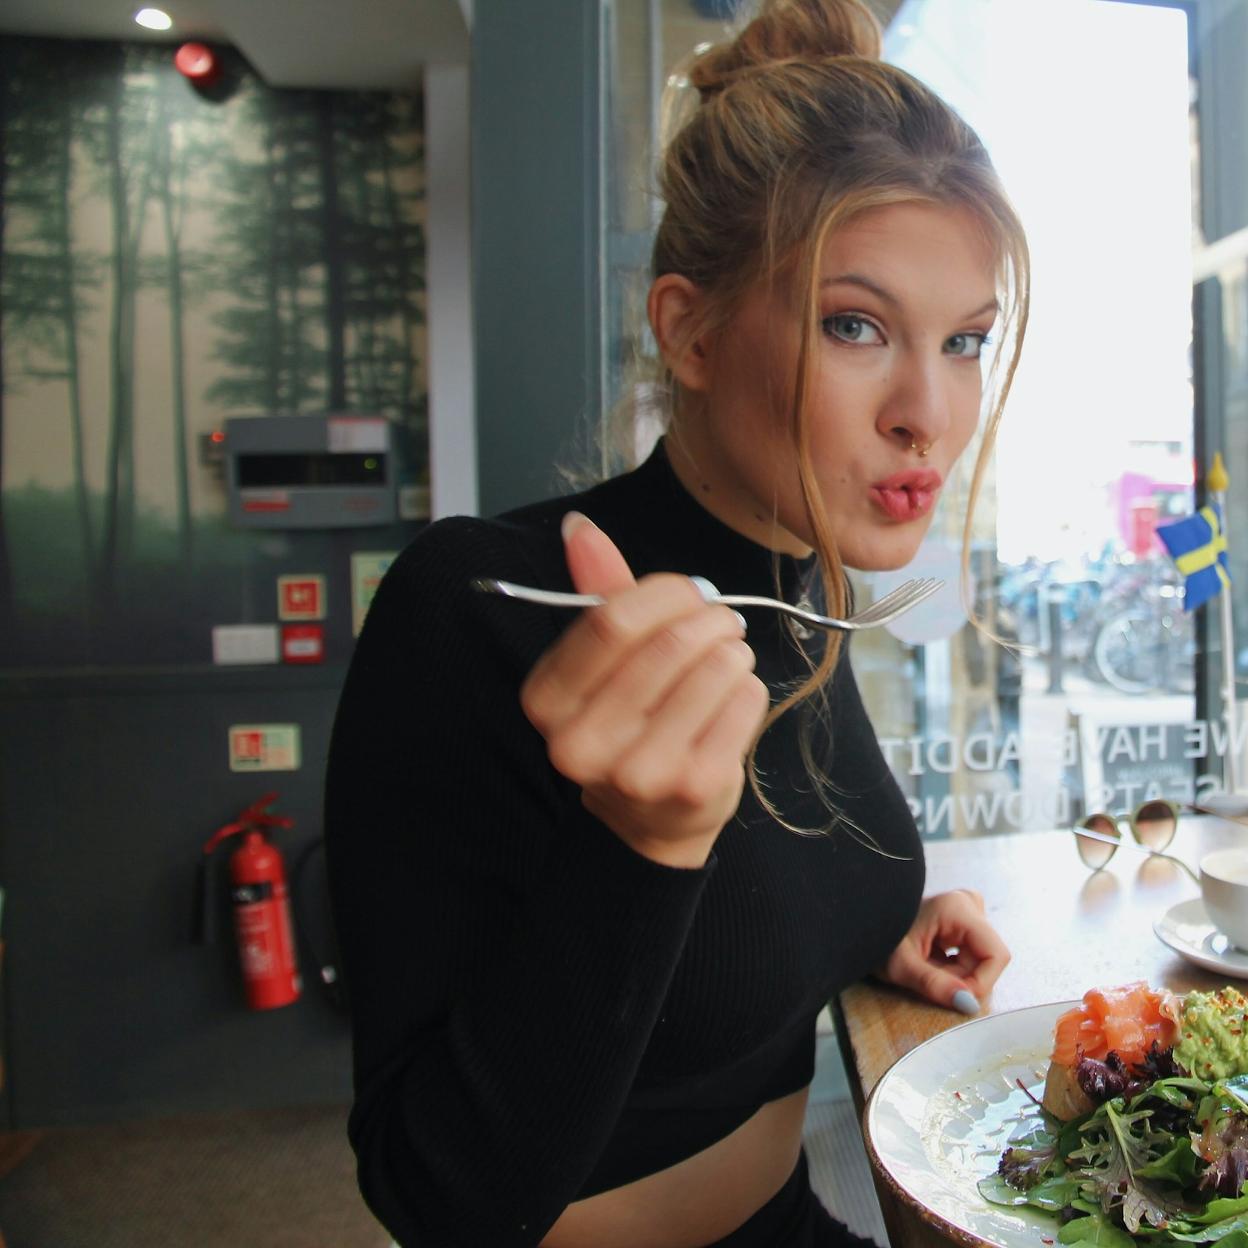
1063, 1097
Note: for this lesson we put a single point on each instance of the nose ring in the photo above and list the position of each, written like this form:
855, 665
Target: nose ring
914, 446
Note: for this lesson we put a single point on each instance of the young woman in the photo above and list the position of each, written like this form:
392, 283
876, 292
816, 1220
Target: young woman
595, 875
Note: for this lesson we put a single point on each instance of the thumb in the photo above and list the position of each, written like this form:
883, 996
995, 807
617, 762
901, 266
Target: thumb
596, 565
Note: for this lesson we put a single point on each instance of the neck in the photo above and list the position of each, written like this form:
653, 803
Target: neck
695, 470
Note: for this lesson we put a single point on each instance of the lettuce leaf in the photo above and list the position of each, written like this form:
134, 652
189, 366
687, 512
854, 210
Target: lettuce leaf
1178, 1166
996, 1189
1119, 1152
1094, 1229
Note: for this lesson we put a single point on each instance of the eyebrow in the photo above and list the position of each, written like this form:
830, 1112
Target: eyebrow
857, 279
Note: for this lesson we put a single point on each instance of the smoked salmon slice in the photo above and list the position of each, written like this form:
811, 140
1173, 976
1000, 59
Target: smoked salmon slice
1126, 1020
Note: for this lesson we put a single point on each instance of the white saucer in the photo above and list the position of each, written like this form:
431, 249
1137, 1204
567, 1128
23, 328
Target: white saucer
1228, 805
1187, 929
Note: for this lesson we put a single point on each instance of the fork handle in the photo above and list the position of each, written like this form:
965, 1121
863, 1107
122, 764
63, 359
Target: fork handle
546, 597
558, 598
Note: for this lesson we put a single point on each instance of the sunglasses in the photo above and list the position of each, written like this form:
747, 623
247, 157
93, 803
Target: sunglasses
1152, 823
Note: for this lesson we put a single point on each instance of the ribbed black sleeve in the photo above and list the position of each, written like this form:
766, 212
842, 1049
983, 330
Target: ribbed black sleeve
540, 1013
507, 951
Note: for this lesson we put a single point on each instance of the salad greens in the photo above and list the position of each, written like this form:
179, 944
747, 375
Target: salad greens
1162, 1159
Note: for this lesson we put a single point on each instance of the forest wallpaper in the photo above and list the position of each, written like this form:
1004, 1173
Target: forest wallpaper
169, 258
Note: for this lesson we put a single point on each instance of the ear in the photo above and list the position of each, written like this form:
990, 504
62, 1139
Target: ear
673, 305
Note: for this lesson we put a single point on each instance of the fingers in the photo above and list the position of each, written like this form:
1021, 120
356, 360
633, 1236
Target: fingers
965, 980
981, 953
952, 955
631, 650
991, 958
734, 727
658, 701
944, 988
694, 744
933, 980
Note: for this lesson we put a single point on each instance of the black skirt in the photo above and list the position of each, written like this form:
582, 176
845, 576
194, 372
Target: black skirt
793, 1218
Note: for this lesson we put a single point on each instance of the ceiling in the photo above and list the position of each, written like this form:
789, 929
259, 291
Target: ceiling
363, 44
356, 44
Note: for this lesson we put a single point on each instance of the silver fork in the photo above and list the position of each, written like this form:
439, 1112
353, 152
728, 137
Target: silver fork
902, 599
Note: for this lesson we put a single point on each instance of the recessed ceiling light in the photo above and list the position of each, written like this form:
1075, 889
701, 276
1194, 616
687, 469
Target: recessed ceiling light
153, 19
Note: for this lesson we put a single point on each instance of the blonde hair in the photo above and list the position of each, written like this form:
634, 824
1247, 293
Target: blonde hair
797, 129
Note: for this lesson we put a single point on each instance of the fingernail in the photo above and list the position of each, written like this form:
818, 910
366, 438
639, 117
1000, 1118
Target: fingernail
572, 521
741, 620
965, 1002
705, 588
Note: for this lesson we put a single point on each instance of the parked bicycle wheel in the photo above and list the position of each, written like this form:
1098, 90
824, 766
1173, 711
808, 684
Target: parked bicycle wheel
1146, 652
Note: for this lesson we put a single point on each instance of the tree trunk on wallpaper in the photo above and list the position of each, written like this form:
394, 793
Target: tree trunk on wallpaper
380, 309
273, 278
299, 250
363, 363
69, 314
170, 213
6, 572
406, 244
131, 141
119, 409
140, 121
334, 244
294, 363
127, 234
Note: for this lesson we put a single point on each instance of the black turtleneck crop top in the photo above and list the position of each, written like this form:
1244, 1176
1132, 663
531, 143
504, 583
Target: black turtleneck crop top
539, 1012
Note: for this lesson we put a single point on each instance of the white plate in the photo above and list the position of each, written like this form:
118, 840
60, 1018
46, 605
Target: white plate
1188, 930
939, 1119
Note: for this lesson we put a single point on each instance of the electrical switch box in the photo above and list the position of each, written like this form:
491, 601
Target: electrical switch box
310, 472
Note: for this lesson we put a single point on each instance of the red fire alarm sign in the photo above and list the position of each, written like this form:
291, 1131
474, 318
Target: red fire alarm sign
300, 597
303, 643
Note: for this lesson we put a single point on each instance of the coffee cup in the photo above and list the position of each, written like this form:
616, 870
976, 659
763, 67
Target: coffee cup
1224, 888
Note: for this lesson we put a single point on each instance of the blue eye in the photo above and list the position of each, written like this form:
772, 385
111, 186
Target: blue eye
851, 328
969, 346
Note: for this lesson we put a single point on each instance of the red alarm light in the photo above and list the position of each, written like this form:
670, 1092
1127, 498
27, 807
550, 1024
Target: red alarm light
198, 63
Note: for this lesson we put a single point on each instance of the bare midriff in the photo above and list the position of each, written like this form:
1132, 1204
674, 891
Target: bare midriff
698, 1200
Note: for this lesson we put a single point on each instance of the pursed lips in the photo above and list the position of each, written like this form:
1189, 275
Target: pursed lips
907, 495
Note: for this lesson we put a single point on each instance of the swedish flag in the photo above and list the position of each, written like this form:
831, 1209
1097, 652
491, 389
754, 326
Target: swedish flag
1198, 547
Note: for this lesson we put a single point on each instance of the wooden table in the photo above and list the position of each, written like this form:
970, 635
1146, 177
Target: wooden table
1068, 929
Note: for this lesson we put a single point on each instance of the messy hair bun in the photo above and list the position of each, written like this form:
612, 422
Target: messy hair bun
808, 30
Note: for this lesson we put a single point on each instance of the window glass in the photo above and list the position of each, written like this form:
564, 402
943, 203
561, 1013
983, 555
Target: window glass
1095, 709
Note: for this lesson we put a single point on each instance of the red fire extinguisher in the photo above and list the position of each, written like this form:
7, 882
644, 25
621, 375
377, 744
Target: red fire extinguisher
261, 906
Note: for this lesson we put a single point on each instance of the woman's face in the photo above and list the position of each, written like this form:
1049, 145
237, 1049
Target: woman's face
907, 297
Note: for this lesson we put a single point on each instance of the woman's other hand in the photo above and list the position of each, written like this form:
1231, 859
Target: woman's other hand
649, 703
950, 950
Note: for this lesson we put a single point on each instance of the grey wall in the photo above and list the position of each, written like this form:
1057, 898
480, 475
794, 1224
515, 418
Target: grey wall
109, 785
535, 192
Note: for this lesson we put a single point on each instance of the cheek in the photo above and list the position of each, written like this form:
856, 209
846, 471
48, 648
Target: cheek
755, 392
966, 416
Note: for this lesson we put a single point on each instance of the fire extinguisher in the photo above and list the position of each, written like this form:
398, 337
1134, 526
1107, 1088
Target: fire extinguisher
261, 906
